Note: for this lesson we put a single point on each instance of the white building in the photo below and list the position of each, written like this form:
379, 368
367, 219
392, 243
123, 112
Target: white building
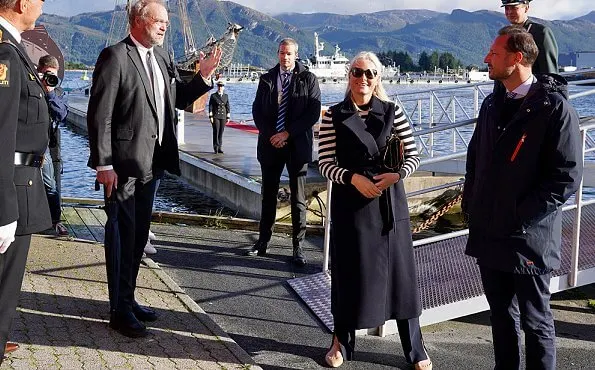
585, 59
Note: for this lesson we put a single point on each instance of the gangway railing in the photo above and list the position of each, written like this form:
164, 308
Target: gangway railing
445, 112
588, 146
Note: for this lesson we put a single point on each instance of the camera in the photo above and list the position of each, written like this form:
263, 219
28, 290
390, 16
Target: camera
50, 79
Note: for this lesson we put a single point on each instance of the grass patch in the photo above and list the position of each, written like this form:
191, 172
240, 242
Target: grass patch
591, 303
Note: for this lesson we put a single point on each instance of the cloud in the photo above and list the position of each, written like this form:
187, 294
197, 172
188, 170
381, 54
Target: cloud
546, 9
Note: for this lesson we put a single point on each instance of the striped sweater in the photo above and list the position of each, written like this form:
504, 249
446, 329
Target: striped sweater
327, 159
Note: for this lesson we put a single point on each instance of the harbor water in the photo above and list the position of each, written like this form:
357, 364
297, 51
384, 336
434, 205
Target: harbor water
175, 195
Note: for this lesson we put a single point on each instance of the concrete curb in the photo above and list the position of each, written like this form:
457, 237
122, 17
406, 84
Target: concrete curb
201, 315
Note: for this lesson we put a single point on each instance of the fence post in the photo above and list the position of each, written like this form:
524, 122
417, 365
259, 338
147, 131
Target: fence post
576, 232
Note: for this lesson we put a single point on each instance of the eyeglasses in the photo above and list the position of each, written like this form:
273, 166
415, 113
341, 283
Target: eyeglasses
358, 72
160, 21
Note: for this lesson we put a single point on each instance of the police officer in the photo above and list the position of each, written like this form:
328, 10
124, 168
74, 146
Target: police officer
219, 115
24, 131
516, 12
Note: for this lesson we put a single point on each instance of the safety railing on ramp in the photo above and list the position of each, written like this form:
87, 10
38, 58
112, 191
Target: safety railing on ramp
449, 280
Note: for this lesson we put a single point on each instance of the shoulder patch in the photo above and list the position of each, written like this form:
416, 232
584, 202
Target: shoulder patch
4, 73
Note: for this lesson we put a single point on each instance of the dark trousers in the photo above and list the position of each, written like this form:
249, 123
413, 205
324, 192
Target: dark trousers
218, 127
517, 301
409, 332
271, 176
12, 269
126, 232
51, 182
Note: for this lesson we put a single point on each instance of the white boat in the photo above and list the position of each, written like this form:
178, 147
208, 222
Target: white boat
327, 68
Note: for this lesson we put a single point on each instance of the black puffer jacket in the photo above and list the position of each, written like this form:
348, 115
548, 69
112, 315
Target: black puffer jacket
516, 181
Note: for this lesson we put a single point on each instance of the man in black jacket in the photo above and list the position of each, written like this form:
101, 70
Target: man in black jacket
132, 138
24, 131
517, 12
286, 106
524, 161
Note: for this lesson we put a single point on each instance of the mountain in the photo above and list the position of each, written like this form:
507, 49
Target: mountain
82, 37
467, 35
389, 20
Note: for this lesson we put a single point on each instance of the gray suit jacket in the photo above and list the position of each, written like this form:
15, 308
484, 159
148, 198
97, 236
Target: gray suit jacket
122, 115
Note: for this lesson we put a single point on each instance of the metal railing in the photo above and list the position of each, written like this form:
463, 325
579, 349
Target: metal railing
588, 146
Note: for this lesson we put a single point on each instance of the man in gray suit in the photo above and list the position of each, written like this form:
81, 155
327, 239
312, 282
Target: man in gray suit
131, 122
517, 12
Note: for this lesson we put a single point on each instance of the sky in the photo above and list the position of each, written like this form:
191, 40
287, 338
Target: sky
545, 9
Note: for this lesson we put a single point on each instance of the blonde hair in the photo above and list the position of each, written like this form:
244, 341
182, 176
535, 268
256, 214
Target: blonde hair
379, 91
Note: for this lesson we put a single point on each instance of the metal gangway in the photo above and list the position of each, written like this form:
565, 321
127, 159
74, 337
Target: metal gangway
449, 281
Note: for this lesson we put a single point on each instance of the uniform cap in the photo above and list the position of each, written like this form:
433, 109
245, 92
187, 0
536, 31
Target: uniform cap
514, 2
220, 83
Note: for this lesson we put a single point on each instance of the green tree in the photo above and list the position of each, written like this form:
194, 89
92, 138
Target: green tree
424, 62
434, 60
447, 60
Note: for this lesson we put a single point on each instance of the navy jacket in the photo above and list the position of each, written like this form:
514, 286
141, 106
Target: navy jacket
303, 112
516, 181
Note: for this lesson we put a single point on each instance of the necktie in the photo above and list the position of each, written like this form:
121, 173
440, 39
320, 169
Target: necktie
285, 80
511, 95
157, 95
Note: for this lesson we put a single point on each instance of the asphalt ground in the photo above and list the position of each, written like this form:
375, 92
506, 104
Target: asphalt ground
249, 298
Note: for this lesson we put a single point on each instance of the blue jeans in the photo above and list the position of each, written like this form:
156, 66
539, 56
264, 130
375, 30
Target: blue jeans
51, 189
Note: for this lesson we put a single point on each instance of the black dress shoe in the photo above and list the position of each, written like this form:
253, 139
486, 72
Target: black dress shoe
128, 325
298, 257
220, 151
259, 249
144, 313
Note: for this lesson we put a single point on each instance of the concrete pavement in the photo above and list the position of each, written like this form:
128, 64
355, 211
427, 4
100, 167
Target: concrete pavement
63, 315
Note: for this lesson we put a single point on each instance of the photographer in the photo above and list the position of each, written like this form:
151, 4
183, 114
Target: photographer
47, 69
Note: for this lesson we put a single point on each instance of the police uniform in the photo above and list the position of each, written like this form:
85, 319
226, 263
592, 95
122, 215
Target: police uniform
547, 59
24, 131
219, 114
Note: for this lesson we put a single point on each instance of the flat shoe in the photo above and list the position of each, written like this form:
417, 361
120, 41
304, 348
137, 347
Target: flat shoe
423, 365
333, 358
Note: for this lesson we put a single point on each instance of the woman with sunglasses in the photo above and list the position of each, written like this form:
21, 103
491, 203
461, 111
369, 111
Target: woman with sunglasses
373, 276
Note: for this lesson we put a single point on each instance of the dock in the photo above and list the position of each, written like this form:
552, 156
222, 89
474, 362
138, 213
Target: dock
222, 310
233, 178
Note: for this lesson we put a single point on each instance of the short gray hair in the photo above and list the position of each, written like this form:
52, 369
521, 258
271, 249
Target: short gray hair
379, 91
139, 9
7, 4
288, 41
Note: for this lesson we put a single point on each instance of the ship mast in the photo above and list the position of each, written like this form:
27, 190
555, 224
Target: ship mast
189, 44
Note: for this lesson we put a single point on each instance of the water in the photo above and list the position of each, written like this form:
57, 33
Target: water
175, 195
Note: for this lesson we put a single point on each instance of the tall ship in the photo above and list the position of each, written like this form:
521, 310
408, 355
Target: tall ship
325, 67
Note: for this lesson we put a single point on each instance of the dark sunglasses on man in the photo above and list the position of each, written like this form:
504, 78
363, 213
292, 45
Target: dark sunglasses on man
358, 72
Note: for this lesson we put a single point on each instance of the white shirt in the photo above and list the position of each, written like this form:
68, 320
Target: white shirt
11, 29
523, 89
157, 75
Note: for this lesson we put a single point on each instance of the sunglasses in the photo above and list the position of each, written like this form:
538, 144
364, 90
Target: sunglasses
358, 72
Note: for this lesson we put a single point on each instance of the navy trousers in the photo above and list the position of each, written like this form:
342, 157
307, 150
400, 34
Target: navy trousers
271, 177
520, 301
126, 232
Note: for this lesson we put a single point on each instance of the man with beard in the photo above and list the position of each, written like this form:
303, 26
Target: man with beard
524, 161
131, 122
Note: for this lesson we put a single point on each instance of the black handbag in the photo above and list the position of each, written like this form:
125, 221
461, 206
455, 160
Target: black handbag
393, 154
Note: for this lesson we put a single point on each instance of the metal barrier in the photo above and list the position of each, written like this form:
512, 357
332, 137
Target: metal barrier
588, 145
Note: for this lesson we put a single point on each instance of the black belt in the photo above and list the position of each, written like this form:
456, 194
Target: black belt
28, 159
